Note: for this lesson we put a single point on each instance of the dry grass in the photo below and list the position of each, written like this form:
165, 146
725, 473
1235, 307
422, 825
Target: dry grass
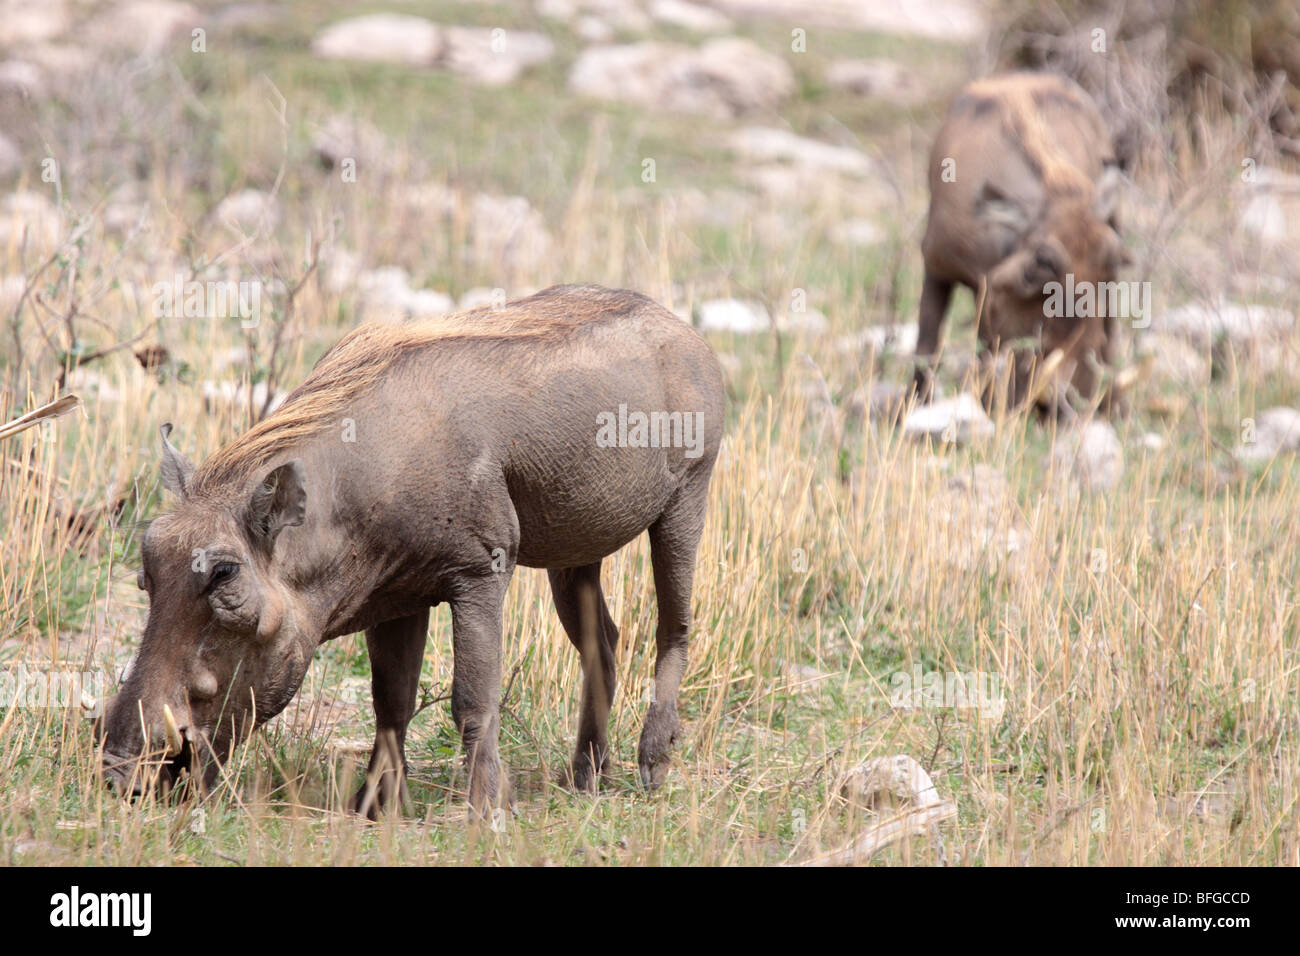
1143, 640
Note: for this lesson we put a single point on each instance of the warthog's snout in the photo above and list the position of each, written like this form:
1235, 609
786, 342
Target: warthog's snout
165, 752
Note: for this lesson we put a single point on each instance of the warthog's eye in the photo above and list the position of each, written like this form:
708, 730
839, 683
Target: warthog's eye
221, 573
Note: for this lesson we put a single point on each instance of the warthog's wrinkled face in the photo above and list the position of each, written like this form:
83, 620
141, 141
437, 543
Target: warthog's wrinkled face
1070, 241
226, 644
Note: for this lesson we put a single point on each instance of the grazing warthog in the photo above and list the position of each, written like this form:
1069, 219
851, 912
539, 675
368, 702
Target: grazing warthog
418, 464
1023, 192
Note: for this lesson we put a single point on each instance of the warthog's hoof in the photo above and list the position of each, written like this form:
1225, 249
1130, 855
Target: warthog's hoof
661, 732
375, 798
584, 776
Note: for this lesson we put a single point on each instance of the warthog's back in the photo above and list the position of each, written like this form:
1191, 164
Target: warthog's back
596, 405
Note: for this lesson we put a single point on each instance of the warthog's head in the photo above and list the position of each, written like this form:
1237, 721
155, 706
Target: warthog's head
227, 642
1066, 232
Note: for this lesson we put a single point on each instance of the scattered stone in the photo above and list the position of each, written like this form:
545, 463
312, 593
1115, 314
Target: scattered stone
145, 28
858, 232
1092, 455
1275, 431
624, 15
1151, 441
480, 295
952, 20
960, 420
490, 56
342, 138
889, 782
386, 296
493, 57
508, 231
899, 339
250, 210
690, 16
732, 315
23, 23
381, 38
29, 214
725, 78
18, 77
1271, 206
1203, 325
593, 30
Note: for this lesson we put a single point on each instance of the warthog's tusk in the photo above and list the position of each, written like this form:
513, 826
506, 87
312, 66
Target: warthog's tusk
1046, 369
89, 705
173, 732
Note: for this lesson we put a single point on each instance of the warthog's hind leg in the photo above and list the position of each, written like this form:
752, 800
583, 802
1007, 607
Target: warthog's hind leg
674, 539
585, 616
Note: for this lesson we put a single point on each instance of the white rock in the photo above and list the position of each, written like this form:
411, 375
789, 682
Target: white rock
889, 782
732, 315
480, 295
899, 338
1275, 430
429, 303
249, 210
690, 16
857, 232
21, 77
507, 230
23, 23
30, 214
1092, 455
493, 56
145, 27
381, 38
593, 29
724, 78
1241, 324
1264, 216
1151, 441
343, 137
386, 296
764, 144
954, 20
960, 420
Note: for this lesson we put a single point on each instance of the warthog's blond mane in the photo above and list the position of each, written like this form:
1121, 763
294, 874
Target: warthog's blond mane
1019, 97
362, 357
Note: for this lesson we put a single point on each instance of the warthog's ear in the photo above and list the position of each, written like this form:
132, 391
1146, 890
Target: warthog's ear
279, 502
176, 468
1105, 194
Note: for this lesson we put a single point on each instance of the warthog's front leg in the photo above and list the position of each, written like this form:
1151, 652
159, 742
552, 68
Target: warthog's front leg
476, 684
935, 294
396, 652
